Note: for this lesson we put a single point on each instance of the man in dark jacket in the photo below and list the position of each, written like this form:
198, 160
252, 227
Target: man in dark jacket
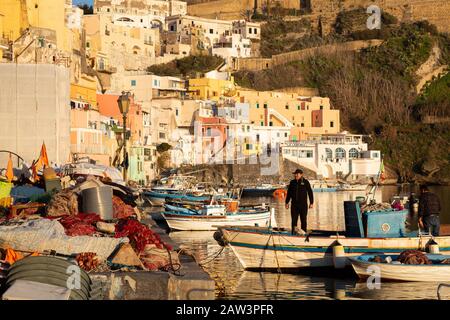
298, 191
429, 209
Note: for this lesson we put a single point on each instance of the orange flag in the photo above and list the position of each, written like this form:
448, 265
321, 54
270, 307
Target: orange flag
43, 156
9, 170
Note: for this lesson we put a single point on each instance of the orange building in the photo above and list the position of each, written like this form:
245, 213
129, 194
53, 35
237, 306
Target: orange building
107, 106
214, 133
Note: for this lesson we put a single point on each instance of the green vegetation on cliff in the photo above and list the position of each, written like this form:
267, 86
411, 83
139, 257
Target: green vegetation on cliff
187, 66
375, 91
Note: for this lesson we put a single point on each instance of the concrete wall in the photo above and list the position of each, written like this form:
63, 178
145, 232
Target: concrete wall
256, 64
35, 108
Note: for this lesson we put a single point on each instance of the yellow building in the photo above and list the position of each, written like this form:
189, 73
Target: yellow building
311, 115
17, 15
211, 89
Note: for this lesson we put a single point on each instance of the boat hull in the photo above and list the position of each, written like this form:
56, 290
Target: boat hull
258, 249
187, 222
159, 198
255, 192
402, 272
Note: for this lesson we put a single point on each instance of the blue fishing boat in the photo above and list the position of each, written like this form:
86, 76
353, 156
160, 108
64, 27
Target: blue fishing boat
158, 198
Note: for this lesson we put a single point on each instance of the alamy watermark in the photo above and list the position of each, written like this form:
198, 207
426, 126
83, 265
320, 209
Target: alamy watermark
374, 21
374, 280
73, 282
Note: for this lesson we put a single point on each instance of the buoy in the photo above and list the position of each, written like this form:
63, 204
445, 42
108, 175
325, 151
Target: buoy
433, 247
280, 194
339, 258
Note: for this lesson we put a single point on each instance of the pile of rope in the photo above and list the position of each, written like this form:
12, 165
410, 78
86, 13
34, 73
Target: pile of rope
87, 261
413, 257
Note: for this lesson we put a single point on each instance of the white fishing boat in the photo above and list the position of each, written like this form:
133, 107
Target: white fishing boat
352, 187
212, 216
437, 271
381, 231
264, 248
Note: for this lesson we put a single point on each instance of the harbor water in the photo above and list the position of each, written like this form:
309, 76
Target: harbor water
232, 282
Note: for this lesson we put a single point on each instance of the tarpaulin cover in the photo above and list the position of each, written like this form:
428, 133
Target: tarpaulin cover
44, 234
5, 189
26, 193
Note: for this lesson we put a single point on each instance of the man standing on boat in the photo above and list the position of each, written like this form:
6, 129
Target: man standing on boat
299, 191
429, 209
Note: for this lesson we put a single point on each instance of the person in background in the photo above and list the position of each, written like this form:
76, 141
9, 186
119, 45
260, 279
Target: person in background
429, 209
299, 191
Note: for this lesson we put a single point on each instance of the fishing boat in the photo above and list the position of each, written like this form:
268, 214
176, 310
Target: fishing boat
434, 272
352, 187
263, 190
209, 216
372, 232
158, 198
322, 186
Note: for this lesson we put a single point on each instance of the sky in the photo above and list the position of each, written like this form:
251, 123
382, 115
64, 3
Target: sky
77, 2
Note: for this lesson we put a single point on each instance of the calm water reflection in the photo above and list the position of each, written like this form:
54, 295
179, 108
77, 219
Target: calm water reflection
232, 282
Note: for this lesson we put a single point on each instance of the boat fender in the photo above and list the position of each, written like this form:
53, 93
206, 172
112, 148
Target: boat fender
433, 247
339, 258
218, 236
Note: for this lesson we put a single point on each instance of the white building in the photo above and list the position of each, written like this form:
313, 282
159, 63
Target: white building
229, 39
35, 108
140, 14
335, 155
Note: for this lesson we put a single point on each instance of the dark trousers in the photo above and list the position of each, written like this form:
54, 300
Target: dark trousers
297, 211
431, 224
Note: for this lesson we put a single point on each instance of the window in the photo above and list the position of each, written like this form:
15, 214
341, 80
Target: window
250, 30
270, 124
287, 107
285, 134
298, 107
211, 31
265, 105
257, 105
302, 125
262, 123
88, 44
331, 124
255, 31
321, 107
328, 153
133, 83
353, 153
340, 153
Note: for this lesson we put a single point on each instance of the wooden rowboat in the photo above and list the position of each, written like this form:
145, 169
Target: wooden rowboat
272, 249
435, 272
